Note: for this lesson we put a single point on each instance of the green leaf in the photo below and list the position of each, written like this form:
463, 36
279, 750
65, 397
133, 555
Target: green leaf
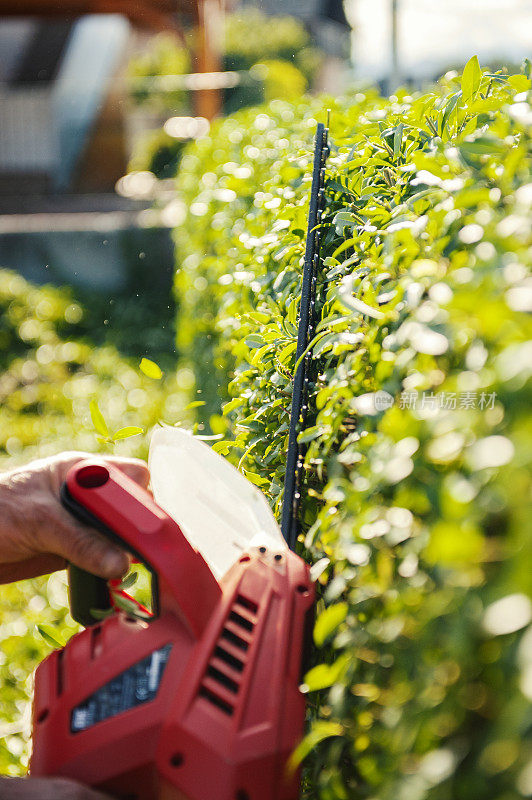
344, 246
291, 314
125, 433
325, 342
328, 621
286, 352
236, 402
51, 636
519, 82
151, 369
483, 145
129, 580
398, 140
255, 340
325, 675
471, 78
354, 303
452, 544
344, 219
321, 730
449, 108
194, 404
102, 613
98, 420
130, 608
310, 433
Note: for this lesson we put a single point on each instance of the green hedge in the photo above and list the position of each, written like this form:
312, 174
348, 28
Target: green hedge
49, 372
420, 516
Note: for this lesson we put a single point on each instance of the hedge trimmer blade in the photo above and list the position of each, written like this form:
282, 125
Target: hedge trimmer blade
219, 511
296, 450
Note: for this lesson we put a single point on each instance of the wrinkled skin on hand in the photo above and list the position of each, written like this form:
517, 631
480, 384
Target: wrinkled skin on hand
38, 536
46, 789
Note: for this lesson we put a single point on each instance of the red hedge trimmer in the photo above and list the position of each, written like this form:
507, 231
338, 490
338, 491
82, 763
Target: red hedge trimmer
200, 699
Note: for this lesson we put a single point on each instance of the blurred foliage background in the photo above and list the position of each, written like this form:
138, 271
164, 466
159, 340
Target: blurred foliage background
417, 473
276, 59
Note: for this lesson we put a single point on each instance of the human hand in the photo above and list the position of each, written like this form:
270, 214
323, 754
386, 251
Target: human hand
38, 536
46, 789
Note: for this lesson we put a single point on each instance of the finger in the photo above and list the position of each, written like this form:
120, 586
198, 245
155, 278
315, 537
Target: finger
31, 567
133, 467
89, 550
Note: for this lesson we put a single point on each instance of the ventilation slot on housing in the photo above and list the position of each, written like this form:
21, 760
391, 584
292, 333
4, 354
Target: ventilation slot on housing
225, 680
234, 639
229, 658
245, 602
238, 619
60, 668
222, 680
213, 698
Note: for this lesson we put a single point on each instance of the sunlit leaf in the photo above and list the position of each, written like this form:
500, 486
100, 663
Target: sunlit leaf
127, 432
128, 581
471, 77
151, 369
398, 140
101, 613
328, 621
51, 635
325, 675
320, 731
255, 341
97, 419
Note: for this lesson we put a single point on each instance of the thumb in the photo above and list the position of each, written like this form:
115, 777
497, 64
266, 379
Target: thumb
59, 466
134, 468
84, 546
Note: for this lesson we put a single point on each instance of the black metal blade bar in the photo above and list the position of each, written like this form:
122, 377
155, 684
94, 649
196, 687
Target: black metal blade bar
296, 451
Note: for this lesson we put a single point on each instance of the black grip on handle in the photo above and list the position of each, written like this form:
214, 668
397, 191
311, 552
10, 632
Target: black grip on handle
85, 590
85, 593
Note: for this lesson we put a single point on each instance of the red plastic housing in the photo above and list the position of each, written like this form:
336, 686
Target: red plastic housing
227, 711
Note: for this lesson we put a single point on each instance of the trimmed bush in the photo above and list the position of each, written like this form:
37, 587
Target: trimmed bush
417, 474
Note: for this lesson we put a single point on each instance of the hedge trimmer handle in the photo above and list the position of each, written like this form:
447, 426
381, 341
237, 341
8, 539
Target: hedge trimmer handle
102, 496
87, 593
92, 598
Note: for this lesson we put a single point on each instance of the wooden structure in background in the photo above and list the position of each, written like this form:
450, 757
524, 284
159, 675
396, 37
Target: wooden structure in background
206, 16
